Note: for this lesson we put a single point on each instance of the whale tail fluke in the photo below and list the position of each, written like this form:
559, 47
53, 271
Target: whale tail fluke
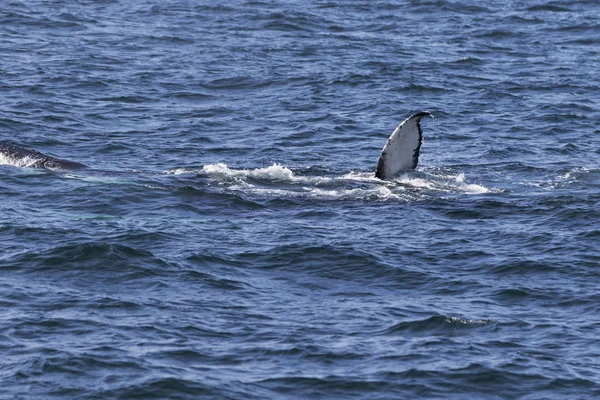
401, 152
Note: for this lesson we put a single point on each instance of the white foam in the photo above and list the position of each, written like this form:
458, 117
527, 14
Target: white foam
274, 172
181, 171
361, 176
416, 182
440, 182
98, 179
352, 185
572, 175
25, 162
470, 187
371, 194
471, 322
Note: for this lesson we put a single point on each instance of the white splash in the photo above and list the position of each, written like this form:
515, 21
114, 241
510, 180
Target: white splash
181, 171
280, 181
376, 193
416, 182
274, 172
440, 182
360, 176
470, 187
23, 162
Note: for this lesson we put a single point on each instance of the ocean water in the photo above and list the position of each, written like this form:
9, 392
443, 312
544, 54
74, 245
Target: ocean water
230, 240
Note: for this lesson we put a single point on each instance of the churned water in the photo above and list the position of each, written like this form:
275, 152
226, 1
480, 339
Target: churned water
231, 241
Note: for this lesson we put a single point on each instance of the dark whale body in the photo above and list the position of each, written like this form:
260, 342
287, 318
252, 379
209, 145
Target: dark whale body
23, 157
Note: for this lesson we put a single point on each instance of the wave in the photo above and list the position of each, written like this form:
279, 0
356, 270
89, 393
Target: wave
101, 259
438, 324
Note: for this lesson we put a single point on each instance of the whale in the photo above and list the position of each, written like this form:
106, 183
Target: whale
401, 151
18, 156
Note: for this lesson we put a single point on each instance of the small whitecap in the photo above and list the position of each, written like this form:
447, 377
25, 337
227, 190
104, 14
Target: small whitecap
469, 322
571, 175
180, 171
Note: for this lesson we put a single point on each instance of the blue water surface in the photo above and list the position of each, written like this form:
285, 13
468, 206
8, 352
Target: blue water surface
230, 240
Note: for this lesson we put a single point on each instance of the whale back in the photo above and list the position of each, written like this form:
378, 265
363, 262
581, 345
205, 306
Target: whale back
18, 156
401, 152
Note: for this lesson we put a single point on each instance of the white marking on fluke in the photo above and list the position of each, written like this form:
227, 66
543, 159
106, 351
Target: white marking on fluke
401, 152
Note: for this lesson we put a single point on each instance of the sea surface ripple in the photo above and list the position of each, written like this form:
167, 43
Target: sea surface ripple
231, 241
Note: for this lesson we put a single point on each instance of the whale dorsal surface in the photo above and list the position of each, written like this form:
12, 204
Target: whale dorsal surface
18, 156
401, 152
